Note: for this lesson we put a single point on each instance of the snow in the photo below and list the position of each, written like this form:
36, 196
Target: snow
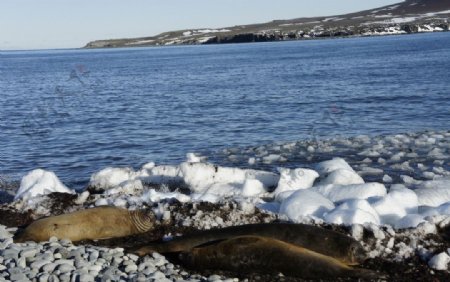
150, 173
303, 203
439, 261
409, 221
252, 188
353, 212
434, 193
293, 179
326, 167
332, 191
396, 204
342, 176
350, 217
111, 177
154, 196
40, 182
338, 193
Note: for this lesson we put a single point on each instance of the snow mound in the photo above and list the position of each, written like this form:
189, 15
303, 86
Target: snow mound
434, 193
111, 177
225, 181
161, 174
337, 193
326, 167
40, 182
304, 203
409, 221
439, 261
342, 176
293, 179
353, 212
396, 204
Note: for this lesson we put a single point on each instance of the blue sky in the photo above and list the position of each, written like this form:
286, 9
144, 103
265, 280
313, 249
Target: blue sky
40, 24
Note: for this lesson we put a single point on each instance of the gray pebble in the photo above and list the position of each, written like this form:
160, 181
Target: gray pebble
28, 253
43, 277
65, 267
21, 262
49, 267
53, 278
131, 268
64, 277
15, 270
158, 275
86, 278
133, 257
38, 264
11, 254
18, 277
214, 277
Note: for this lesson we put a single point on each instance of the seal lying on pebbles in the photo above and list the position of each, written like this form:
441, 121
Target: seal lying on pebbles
317, 239
268, 255
90, 224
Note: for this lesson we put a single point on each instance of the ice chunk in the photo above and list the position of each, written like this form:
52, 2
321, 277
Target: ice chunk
409, 221
396, 204
439, 261
192, 158
280, 197
350, 216
161, 174
353, 212
337, 193
111, 177
293, 179
434, 193
273, 158
342, 176
252, 187
267, 178
154, 196
303, 203
326, 167
200, 176
443, 209
224, 189
404, 197
40, 182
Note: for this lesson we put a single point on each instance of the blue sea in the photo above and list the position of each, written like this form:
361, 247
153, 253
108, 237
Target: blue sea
75, 112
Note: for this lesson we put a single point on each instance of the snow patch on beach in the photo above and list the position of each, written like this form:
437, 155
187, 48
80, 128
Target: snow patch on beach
40, 182
380, 188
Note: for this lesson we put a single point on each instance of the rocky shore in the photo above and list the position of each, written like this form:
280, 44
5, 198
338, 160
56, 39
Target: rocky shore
412, 16
415, 247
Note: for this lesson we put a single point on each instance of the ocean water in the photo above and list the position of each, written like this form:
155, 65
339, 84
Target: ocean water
77, 111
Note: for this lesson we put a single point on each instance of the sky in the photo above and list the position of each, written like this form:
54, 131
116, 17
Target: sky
48, 24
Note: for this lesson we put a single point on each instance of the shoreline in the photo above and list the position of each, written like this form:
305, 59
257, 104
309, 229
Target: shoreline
86, 47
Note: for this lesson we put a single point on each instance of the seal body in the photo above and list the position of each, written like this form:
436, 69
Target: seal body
317, 239
267, 255
90, 224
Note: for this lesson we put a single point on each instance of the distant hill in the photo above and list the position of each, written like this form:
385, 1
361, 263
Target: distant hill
410, 16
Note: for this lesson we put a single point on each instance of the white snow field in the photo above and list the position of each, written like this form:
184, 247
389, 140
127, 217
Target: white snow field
394, 186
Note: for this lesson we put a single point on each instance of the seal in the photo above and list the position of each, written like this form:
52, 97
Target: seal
317, 239
90, 224
258, 254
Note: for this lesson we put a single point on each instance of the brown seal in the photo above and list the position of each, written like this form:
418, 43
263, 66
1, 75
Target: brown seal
249, 254
317, 239
90, 224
